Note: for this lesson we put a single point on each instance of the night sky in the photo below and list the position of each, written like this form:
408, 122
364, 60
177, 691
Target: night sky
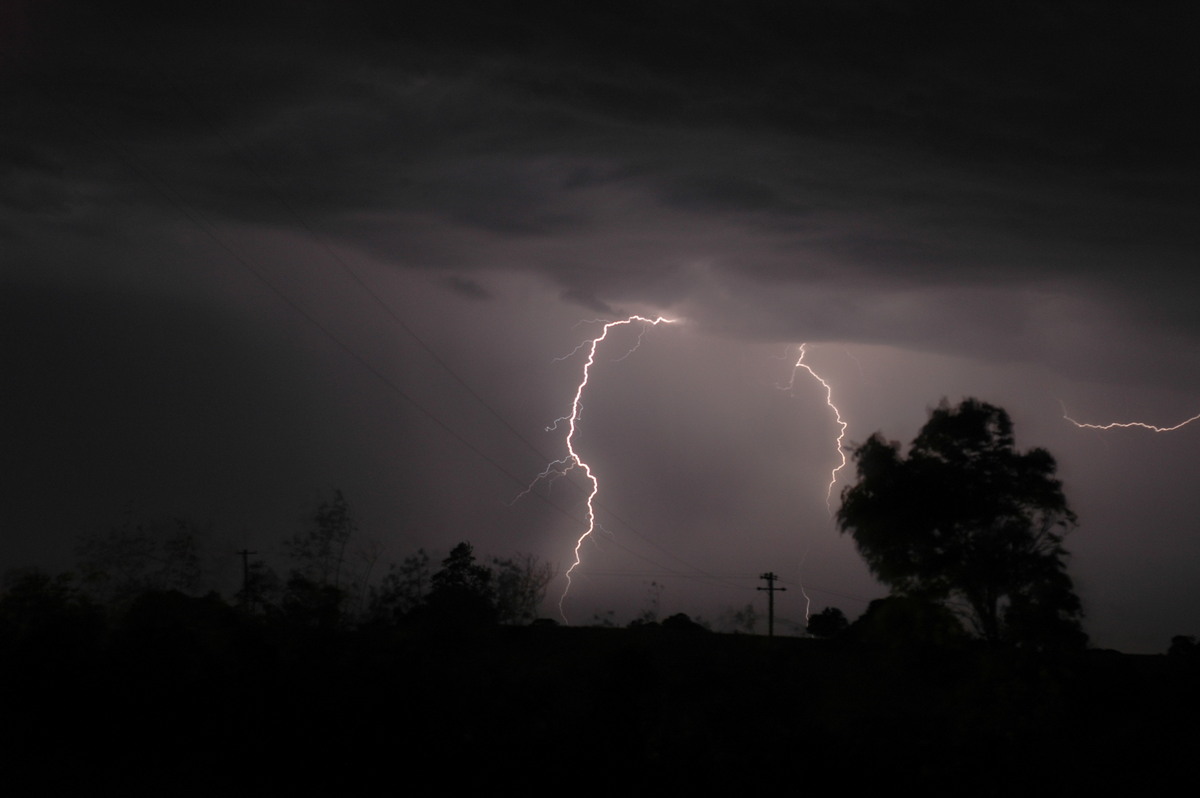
249, 257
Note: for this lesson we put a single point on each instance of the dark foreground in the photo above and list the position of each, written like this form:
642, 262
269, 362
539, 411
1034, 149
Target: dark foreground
196, 700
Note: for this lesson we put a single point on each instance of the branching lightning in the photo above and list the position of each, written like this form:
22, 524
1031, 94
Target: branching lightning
833, 475
573, 460
1129, 424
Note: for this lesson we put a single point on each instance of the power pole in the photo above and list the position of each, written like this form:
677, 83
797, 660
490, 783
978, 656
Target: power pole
246, 577
770, 576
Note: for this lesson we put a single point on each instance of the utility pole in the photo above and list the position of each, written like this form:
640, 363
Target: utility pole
246, 577
770, 576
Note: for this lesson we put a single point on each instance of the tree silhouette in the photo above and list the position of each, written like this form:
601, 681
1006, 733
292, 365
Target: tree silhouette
829, 622
127, 560
401, 590
967, 520
907, 624
682, 622
260, 588
49, 612
742, 619
321, 588
462, 593
521, 584
319, 552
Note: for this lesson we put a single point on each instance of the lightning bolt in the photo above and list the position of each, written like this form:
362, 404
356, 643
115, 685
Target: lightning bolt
837, 414
803, 592
572, 459
1128, 424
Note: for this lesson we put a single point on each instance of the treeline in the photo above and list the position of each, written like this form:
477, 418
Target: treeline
134, 669
128, 673
330, 581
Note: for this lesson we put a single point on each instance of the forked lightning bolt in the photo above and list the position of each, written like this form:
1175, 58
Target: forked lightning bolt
837, 414
573, 460
1129, 424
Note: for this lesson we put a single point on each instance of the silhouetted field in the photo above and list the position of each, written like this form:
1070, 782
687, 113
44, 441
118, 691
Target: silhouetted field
188, 696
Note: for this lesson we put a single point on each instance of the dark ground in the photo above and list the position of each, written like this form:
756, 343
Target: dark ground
187, 696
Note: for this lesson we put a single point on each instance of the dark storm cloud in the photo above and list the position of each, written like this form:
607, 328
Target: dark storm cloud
714, 193
854, 149
467, 287
587, 300
1025, 87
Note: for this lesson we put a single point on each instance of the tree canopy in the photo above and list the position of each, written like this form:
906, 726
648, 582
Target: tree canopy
968, 520
461, 593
